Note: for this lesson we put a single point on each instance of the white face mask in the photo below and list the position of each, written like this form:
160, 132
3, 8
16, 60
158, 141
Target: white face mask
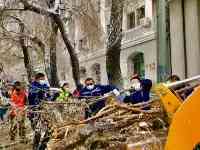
90, 87
66, 89
136, 84
43, 82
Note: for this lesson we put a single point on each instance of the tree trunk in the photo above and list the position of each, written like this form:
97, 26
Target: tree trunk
54, 82
36, 40
27, 60
73, 55
46, 60
46, 63
114, 44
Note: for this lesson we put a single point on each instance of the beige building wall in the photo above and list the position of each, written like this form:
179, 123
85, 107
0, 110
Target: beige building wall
148, 48
191, 16
141, 39
192, 37
90, 59
177, 38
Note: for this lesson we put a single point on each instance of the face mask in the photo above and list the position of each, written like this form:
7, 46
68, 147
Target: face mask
66, 89
43, 82
137, 86
90, 87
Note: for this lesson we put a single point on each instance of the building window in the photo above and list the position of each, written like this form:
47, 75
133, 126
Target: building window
131, 20
63, 77
83, 73
136, 18
96, 72
108, 3
140, 15
83, 44
99, 6
136, 64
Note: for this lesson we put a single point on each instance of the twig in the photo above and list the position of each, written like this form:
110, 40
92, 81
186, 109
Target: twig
98, 116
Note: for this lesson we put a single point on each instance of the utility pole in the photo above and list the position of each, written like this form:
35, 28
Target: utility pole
163, 41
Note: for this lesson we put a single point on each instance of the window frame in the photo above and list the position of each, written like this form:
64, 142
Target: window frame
137, 19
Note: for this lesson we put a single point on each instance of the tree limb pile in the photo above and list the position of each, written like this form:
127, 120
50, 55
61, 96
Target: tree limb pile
114, 127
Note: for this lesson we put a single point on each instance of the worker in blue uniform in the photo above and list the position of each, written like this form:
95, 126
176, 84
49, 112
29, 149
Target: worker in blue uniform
140, 90
96, 90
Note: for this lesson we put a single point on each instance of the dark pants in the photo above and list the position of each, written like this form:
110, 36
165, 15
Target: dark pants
39, 142
94, 108
17, 124
2, 113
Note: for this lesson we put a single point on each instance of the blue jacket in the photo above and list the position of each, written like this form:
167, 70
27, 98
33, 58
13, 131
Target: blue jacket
142, 95
99, 90
37, 93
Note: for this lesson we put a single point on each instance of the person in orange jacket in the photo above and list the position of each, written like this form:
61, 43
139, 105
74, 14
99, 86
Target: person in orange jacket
17, 115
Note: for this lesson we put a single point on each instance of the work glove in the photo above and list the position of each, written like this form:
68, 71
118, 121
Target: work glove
127, 93
116, 92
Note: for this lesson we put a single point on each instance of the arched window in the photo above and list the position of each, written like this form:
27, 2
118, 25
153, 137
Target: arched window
136, 64
83, 73
96, 72
63, 76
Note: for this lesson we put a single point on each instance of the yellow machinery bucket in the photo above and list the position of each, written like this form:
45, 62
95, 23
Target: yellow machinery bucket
184, 132
170, 100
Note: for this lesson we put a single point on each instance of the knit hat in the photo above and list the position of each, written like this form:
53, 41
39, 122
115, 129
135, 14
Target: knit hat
63, 83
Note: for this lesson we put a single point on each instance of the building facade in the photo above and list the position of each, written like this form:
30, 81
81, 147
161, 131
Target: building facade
139, 48
139, 45
185, 37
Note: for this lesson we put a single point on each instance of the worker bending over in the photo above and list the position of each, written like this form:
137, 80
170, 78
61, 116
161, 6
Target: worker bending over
140, 90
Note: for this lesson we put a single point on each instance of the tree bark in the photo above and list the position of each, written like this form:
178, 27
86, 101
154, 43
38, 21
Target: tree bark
72, 53
41, 45
114, 44
27, 60
54, 81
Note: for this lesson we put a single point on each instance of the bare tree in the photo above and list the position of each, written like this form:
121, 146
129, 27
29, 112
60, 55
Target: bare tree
61, 26
21, 37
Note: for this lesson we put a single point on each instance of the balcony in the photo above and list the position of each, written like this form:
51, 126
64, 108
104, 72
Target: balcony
140, 32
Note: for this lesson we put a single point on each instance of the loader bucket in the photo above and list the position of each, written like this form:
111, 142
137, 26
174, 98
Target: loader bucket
184, 132
170, 100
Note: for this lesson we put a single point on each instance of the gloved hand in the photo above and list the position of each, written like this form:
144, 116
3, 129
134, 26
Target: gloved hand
116, 92
127, 93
